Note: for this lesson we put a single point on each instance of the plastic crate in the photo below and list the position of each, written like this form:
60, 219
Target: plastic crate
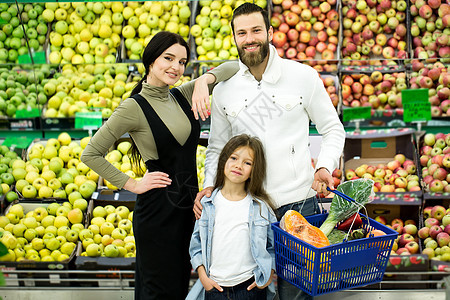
337, 267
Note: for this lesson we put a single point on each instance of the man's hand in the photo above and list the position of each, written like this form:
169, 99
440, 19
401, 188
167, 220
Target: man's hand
322, 180
251, 286
197, 205
200, 97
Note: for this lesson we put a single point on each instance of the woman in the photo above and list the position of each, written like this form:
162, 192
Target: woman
165, 134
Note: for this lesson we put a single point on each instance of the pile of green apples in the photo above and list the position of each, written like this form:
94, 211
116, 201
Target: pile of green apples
44, 234
110, 233
201, 155
22, 89
85, 88
145, 19
84, 32
12, 37
53, 169
120, 159
212, 30
8, 159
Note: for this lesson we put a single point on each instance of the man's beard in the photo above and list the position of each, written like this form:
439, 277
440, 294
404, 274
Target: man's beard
251, 59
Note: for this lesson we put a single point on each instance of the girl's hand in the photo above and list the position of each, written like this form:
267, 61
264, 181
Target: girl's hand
251, 286
150, 181
322, 180
200, 96
209, 284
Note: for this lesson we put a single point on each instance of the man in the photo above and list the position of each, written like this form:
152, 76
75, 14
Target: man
275, 99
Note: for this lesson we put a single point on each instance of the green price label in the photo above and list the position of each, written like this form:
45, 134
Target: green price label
88, 120
416, 106
18, 142
38, 58
28, 113
357, 113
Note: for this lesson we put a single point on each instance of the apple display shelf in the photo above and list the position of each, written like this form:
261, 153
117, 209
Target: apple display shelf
111, 285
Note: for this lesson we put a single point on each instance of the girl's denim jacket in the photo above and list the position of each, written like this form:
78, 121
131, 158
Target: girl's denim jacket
261, 243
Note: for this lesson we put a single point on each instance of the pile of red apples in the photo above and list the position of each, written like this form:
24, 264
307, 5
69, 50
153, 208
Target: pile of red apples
407, 241
306, 30
435, 162
436, 78
330, 86
378, 90
374, 29
398, 175
430, 29
435, 233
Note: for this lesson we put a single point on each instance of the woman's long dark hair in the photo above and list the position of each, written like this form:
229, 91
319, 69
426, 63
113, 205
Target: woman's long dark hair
255, 183
157, 45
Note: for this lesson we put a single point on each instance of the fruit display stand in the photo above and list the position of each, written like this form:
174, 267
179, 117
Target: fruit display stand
111, 262
27, 276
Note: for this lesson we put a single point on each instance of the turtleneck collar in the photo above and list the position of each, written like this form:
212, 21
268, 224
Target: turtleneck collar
160, 93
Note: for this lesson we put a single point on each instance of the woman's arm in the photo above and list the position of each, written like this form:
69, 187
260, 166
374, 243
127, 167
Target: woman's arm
197, 91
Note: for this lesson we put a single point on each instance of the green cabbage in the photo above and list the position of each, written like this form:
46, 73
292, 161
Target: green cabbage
360, 190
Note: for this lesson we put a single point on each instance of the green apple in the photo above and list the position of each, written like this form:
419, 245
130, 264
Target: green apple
80, 204
19, 229
45, 192
111, 251
86, 242
61, 221
60, 193
40, 213
94, 228
20, 184
48, 221
30, 222
52, 208
71, 236
110, 209
37, 244
9, 241
68, 248
93, 250
113, 218
98, 221
51, 229
52, 244
125, 224
85, 234
118, 233
77, 227
17, 209
106, 228
122, 211
30, 234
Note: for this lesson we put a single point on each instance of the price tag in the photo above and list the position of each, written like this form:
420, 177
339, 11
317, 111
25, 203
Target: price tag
416, 106
27, 113
18, 142
357, 113
38, 58
88, 120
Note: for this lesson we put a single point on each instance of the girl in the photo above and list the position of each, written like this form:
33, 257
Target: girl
232, 244
165, 135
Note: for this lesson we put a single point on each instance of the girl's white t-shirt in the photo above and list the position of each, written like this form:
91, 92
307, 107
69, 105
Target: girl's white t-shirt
231, 257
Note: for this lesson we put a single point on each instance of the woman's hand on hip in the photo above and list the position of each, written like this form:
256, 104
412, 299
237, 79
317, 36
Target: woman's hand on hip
151, 180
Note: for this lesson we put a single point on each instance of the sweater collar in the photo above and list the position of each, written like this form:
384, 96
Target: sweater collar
159, 93
273, 68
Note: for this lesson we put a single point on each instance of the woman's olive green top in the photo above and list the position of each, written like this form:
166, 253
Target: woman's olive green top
128, 117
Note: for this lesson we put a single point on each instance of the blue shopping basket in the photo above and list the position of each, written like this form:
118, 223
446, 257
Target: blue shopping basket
337, 267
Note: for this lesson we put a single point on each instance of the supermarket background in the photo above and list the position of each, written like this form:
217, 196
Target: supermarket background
65, 67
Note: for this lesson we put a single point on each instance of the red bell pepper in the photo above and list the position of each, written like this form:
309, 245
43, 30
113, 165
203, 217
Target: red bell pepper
348, 222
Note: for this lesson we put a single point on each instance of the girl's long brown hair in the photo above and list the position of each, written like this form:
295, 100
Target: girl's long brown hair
255, 183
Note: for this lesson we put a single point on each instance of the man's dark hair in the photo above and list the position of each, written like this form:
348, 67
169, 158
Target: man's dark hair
249, 8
